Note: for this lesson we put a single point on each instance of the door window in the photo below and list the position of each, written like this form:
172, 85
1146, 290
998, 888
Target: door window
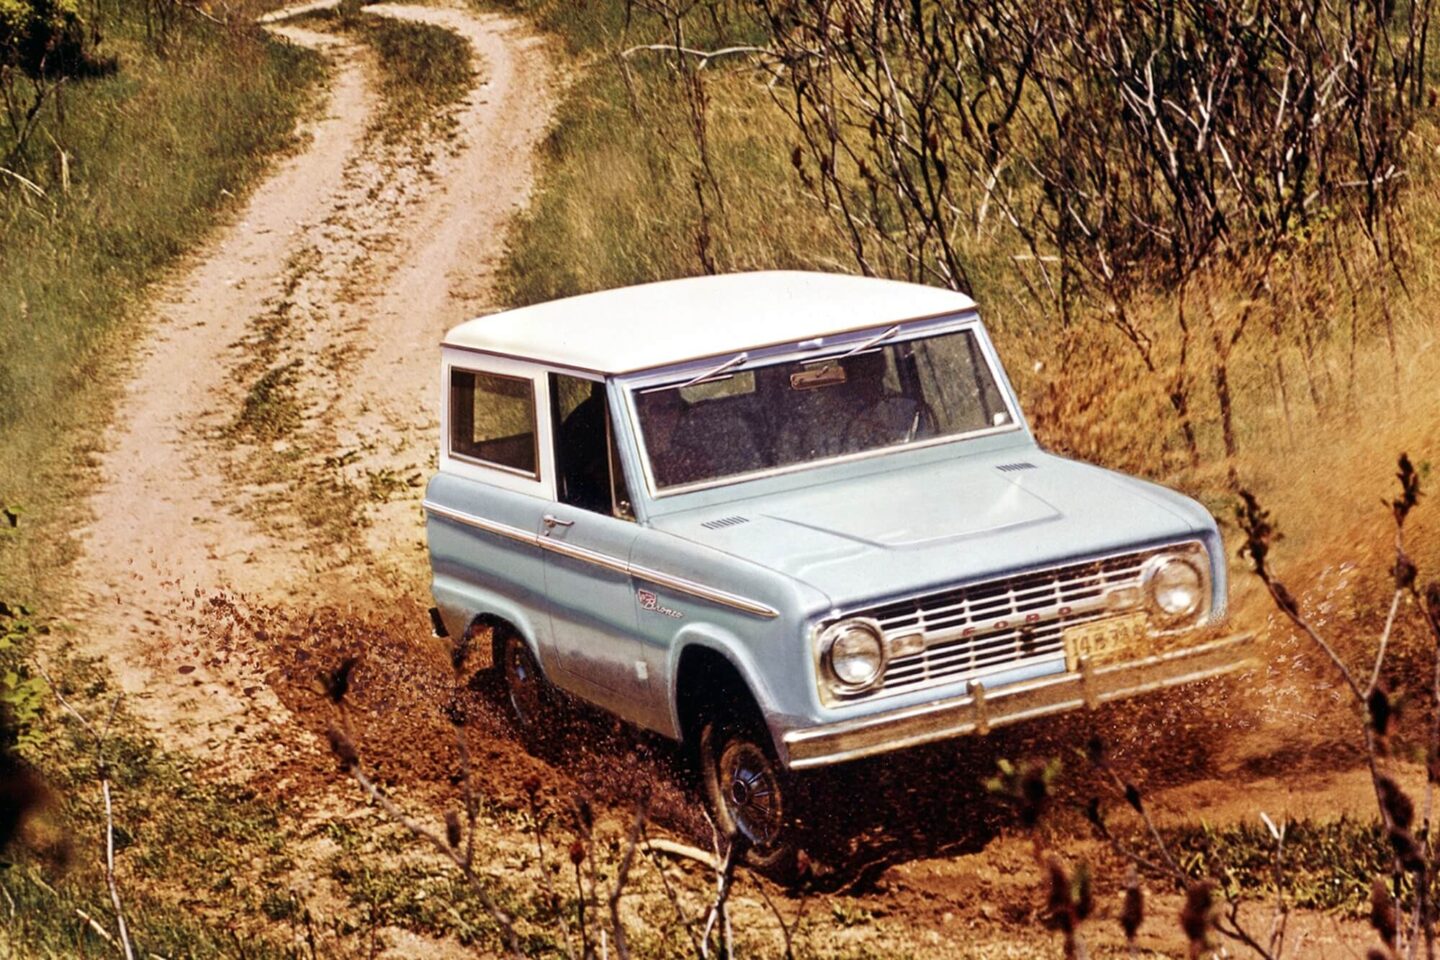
588, 474
492, 420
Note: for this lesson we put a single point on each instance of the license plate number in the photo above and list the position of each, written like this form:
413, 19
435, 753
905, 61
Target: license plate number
1105, 641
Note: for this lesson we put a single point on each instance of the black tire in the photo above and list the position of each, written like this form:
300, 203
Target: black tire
533, 703
751, 795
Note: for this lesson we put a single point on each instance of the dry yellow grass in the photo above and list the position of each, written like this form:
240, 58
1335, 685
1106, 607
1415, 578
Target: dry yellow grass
1322, 406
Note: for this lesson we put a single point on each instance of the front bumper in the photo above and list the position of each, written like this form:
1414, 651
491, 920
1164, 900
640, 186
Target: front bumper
983, 709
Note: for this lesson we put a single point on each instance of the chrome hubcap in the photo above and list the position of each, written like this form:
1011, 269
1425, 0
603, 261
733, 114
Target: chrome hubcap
752, 792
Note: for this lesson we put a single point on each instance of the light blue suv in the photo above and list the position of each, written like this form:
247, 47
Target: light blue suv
794, 519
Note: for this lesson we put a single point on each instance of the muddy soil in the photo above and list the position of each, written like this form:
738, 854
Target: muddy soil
225, 572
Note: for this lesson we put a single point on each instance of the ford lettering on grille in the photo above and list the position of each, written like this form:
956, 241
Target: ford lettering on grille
996, 625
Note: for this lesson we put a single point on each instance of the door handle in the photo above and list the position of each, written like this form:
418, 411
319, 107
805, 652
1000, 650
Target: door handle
551, 522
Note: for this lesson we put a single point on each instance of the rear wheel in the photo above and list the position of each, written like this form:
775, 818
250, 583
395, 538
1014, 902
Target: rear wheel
532, 700
751, 795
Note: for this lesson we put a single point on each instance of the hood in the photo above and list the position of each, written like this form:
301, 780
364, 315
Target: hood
932, 525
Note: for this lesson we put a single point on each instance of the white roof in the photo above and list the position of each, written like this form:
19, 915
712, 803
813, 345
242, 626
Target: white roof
656, 324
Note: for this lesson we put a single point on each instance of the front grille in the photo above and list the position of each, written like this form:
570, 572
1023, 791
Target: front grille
980, 627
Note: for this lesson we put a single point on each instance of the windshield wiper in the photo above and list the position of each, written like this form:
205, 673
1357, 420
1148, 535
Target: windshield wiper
870, 344
730, 364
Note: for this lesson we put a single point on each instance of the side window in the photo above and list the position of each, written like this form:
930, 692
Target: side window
492, 419
586, 467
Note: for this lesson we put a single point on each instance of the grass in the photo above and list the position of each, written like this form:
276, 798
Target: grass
1328, 865
132, 170
135, 169
170, 822
1318, 422
616, 203
424, 70
270, 410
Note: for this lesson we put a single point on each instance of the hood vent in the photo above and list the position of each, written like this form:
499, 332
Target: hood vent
1018, 465
723, 522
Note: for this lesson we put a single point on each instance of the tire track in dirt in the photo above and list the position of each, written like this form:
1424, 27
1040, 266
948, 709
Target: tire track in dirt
348, 262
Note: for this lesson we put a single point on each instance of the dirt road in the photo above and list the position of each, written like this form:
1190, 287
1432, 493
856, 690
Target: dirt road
343, 270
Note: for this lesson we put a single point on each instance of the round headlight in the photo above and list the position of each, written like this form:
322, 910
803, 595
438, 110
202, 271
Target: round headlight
1176, 588
854, 653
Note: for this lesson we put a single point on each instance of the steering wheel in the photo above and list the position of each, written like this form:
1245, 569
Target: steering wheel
871, 423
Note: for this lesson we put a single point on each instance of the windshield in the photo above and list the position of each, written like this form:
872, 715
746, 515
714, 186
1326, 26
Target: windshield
813, 409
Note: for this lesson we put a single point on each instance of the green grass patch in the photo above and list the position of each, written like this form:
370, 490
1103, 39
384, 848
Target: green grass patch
625, 195
617, 200
424, 70
134, 168
270, 410
1327, 865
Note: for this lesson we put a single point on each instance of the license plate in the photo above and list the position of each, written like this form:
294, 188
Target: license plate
1105, 641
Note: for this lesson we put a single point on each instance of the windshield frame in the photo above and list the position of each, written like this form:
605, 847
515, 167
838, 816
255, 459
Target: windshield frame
816, 349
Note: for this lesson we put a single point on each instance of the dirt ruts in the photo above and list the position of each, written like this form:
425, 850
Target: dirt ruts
346, 265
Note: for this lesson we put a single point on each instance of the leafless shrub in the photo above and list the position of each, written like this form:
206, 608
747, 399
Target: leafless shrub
1136, 151
99, 736
1414, 859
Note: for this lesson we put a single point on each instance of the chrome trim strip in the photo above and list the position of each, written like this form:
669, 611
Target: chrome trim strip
957, 716
489, 526
712, 594
615, 564
584, 555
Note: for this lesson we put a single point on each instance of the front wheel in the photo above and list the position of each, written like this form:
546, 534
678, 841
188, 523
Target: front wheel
751, 795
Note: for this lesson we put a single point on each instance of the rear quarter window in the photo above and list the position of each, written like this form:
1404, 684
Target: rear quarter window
492, 420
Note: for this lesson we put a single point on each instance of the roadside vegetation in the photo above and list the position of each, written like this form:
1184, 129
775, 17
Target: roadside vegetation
168, 821
114, 161
128, 129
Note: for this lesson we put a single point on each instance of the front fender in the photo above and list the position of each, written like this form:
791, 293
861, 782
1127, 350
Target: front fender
736, 651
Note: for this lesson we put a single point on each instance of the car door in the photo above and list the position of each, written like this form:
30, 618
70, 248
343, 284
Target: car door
587, 537
484, 505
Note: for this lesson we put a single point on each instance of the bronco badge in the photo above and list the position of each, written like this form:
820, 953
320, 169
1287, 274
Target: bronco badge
648, 601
